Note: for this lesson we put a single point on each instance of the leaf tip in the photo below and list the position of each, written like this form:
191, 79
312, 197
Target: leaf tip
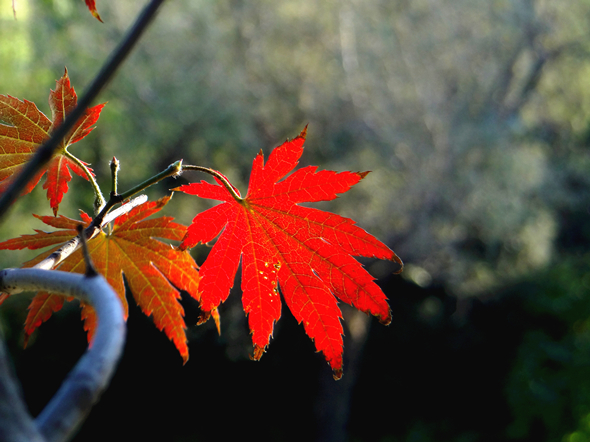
337, 374
303, 133
214, 313
363, 174
184, 245
203, 317
258, 352
397, 260
217, 319
385, 320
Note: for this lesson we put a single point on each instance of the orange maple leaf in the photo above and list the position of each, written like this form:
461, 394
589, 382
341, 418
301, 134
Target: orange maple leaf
26, 128
153, 270
307, 251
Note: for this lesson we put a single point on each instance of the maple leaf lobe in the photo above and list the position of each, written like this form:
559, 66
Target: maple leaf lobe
257, 353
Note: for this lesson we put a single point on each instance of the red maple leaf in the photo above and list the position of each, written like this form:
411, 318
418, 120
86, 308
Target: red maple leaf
153, 270
308, 252
26, 128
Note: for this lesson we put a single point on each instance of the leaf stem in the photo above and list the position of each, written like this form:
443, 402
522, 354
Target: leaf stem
99, 201
231, 189
46, 151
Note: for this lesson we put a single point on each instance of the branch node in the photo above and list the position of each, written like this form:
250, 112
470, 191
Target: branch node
115, 197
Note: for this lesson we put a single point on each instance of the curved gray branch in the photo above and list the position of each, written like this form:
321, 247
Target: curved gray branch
93, 372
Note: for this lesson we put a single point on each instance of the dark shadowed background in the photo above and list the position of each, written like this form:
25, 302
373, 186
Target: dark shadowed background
474, 118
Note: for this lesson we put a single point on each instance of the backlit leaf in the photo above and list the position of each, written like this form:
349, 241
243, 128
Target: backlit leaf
23, 128
154, 271
307, 252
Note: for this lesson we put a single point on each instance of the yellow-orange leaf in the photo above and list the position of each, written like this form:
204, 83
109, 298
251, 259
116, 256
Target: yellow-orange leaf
153, 270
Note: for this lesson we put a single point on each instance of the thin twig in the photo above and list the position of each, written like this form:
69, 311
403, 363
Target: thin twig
90, 270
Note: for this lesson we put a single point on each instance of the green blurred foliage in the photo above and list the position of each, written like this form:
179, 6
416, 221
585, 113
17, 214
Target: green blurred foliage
549, 386
459, 109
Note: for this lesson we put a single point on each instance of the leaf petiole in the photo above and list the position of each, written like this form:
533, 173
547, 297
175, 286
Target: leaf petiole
99, 201
231, 189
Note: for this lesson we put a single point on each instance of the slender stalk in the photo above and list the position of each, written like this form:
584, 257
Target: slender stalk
99, 201
217, 175
46, 151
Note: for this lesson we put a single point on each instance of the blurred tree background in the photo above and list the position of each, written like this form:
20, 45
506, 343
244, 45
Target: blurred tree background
474, 118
